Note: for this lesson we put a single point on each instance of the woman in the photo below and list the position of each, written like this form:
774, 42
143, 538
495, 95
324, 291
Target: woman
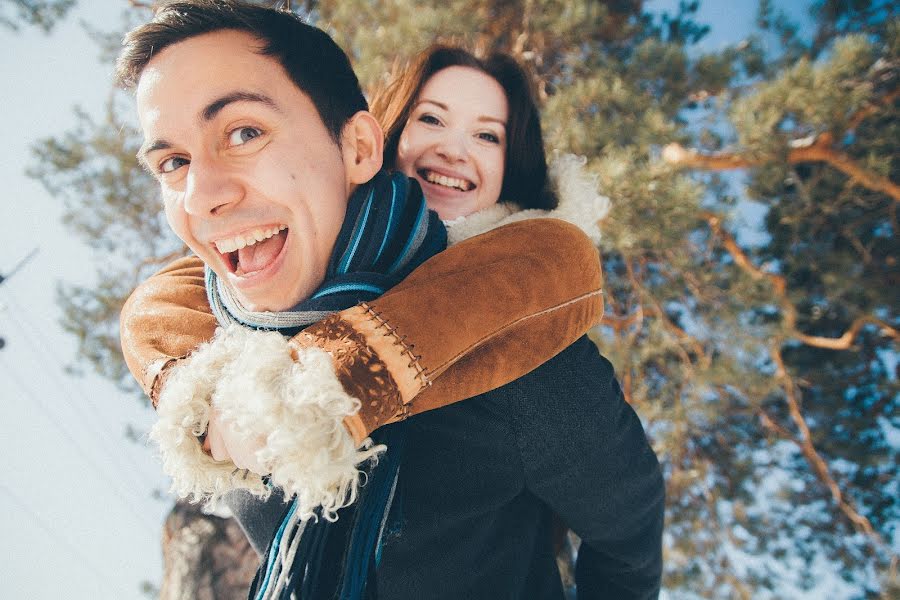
468, 131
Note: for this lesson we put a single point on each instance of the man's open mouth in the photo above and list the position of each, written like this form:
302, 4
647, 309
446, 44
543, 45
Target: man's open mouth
455, 183
252, 251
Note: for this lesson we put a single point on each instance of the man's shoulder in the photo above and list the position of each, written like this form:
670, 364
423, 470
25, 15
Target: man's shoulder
579, 360
577, 373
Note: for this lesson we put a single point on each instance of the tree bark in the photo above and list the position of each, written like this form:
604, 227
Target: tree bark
205, 557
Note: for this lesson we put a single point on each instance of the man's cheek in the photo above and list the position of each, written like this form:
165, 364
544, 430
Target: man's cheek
176, 217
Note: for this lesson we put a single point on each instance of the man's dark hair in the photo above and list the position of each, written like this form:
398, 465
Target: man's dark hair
312, 60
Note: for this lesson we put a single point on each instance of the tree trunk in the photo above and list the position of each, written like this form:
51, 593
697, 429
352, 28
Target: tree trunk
205, 557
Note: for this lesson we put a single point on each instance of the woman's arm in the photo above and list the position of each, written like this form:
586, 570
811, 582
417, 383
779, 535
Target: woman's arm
471, 319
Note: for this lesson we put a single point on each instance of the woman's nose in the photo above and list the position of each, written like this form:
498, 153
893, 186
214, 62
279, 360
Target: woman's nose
452, 146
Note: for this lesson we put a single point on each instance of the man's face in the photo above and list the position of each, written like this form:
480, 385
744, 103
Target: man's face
251, 179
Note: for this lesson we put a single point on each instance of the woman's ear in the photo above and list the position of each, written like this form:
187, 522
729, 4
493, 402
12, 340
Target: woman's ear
362, 144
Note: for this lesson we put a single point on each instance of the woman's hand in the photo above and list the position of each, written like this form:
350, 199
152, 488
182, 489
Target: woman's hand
224, 443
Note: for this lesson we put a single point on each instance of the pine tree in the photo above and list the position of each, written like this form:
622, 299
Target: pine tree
764, 366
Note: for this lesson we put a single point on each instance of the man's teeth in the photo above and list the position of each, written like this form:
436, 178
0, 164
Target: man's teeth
247, 239
460, 184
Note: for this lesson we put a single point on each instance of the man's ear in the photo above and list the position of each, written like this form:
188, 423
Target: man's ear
362, 144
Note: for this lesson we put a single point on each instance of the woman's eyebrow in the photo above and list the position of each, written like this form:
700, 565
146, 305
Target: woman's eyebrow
443, 106
440, 105
489, 119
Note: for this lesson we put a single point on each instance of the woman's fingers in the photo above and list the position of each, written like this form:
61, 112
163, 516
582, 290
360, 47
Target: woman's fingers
214, 440
239, 446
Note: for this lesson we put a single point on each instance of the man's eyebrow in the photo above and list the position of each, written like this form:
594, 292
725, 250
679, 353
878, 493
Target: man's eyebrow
443, 106
216, 106
148, 148
208, 114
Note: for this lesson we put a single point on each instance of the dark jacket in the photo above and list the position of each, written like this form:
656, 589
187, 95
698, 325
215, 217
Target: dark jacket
480, 479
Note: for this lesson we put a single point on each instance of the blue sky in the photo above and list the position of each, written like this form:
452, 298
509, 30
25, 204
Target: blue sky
76, 497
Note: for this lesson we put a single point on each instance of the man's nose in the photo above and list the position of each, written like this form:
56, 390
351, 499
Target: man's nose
453, 146
210, 189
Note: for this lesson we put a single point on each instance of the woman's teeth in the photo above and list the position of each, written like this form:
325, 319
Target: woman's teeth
452, 182
247, 239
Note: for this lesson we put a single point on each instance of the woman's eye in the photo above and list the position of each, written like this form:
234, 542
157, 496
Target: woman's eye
242, 135
489, 137
429, 119
172, 164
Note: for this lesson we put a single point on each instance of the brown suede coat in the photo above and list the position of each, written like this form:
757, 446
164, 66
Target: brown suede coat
471, 319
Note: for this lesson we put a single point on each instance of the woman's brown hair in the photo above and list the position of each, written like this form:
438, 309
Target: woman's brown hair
525, 172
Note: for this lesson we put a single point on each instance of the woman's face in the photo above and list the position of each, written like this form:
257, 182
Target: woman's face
454, 143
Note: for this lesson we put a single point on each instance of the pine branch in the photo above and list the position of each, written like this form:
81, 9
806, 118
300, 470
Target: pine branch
812, 456
621, 323
846, 340
779, 285
872, 108
818, 149
770, 424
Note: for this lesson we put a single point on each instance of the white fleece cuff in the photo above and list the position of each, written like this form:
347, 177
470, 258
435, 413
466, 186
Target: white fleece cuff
183, 415
297, 405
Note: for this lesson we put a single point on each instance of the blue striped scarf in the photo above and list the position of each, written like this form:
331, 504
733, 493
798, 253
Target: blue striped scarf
387, 233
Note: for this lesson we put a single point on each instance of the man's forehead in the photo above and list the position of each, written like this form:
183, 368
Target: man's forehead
184, 78
209, 58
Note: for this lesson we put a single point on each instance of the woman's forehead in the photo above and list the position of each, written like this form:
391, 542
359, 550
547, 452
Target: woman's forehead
466, 91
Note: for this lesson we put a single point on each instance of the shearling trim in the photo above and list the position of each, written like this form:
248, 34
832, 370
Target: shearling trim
465, 227
297, 406
579, 204
183, 415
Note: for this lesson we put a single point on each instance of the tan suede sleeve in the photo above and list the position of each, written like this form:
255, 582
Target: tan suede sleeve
469, 320
164, 319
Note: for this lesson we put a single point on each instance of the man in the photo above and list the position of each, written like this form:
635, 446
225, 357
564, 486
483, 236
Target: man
245, 139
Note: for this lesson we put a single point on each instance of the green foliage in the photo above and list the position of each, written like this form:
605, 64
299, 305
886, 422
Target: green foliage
112, 204
698, 319
803, 100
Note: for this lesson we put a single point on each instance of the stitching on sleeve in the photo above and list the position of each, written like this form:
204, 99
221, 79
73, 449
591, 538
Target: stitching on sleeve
407, 349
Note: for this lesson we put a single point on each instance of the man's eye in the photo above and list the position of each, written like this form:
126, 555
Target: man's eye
242, 135
430, 120
173, 163
489, 137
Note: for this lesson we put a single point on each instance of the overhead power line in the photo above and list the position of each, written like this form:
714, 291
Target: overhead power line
56, 535
3, 278
19, 265
48, 351
111, 485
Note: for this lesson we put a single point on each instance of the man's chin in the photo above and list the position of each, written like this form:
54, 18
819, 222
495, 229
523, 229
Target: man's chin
261, 302
266, 298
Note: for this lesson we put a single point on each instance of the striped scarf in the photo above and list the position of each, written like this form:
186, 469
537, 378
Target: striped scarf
387, 233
